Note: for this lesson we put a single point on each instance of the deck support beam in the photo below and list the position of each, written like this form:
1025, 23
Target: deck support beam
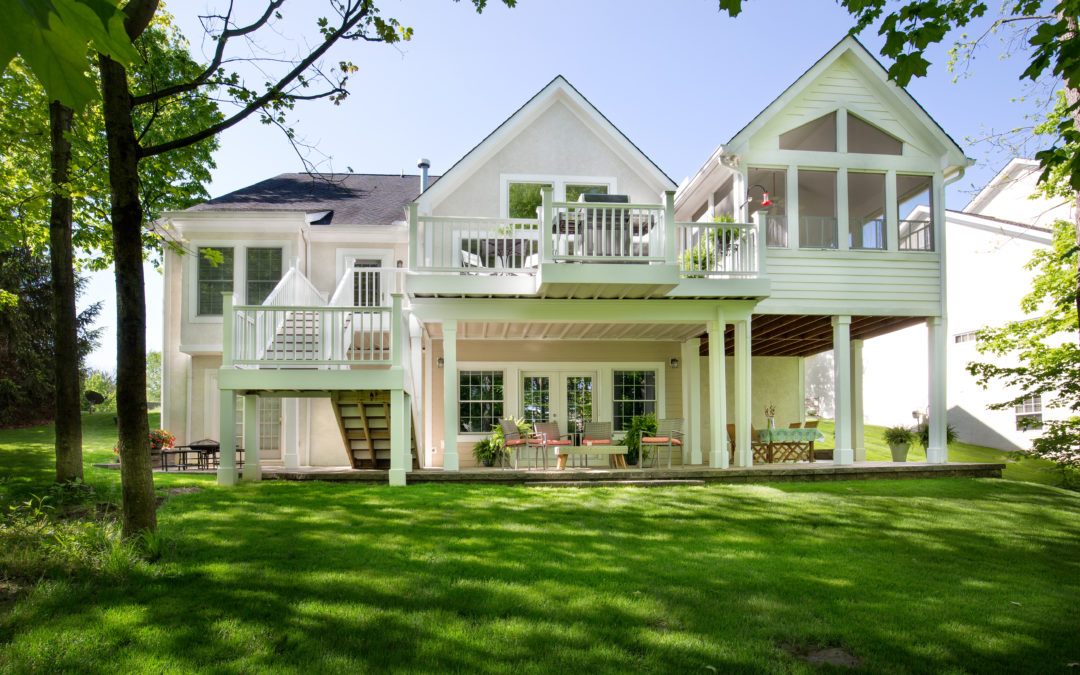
843, 454
718, 440
399, 435
226, 474
743, 413
450, 395
858, 435
252, 469
691, 375
937, 451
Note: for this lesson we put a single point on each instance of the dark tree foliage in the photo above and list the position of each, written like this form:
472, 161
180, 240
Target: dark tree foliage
26, 339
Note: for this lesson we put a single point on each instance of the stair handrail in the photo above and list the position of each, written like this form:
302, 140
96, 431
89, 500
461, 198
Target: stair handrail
295, 288
390, 279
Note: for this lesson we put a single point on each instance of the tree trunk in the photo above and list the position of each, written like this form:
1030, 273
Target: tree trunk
68, 421
136, 475
1072, 96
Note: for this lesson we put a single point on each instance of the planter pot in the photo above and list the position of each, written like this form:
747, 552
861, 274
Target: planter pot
155, 456
488, 462
899, 452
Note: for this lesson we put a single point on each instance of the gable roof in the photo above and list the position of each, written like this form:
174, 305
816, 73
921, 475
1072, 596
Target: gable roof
350, 198
850, 45
559, 88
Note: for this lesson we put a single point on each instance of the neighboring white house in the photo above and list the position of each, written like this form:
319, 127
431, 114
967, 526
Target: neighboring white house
555, 273
989, 242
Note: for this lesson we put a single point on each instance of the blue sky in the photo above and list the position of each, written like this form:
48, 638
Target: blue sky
678, 78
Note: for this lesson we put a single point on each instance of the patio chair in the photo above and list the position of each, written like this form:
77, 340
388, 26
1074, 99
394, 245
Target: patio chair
795, 425
513, 440
731, 443
546, 435
597, 433
669, 434
760, 451
812, 424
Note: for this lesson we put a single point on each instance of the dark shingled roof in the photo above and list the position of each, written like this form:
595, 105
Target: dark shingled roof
354, 199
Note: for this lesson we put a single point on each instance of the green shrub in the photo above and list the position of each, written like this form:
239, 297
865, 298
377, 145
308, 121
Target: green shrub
922, 434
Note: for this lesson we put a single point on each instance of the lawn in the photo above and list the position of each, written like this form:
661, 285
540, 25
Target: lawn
948, 575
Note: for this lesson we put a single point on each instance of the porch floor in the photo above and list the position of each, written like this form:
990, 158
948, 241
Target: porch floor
596, 476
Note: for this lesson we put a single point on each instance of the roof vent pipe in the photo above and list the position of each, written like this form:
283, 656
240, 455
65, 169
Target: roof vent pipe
424, 165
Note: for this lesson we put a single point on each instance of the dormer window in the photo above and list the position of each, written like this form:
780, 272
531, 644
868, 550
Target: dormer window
865, 138
816, 136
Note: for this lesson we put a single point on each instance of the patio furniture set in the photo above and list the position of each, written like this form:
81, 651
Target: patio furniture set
196, 455
595, 439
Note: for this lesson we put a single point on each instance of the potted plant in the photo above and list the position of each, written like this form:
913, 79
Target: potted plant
159, 439
899, 439
632, 439
487, 451
770, 416
922, 434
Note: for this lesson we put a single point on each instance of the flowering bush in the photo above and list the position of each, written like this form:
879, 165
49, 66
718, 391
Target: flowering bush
160, 437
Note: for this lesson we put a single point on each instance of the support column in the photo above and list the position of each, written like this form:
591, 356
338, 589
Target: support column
718, 440
292, 432
692, 391
858, 435
252, 470
743, 418
938, 450
398, 436
226, 474
843, 454
450, 395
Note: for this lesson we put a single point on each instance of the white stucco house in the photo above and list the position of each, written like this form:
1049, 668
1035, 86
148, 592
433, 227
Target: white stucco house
988, 243
555, 272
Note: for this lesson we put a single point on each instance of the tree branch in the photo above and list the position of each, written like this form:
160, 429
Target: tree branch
215, 63
348, 23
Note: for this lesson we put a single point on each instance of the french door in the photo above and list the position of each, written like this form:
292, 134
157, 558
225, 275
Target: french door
565, 397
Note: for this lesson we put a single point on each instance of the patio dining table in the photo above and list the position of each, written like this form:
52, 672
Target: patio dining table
783, 445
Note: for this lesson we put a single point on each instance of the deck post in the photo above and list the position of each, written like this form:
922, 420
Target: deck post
398, 436
670, 243
938, 450
450, 395
226, 474
414, 237
397, 335
858, 435
691, 373
743, 414
226, 330
843, 453
252, 470
547, 232
291, 408
718, 440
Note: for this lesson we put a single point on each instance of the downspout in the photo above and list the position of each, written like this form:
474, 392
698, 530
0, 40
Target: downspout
304, 234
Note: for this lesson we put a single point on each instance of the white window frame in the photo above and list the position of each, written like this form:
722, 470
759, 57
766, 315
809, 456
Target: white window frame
191, 270
603, 404
558, 183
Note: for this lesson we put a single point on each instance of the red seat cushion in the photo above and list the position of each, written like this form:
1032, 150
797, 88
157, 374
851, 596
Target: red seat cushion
558, 443
517, 441
660, 439
597, 441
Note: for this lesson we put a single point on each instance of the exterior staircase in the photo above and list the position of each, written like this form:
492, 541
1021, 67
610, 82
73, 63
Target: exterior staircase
363, 417
298, 338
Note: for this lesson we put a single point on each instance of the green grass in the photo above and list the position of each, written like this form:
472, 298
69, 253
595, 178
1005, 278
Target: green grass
949, 575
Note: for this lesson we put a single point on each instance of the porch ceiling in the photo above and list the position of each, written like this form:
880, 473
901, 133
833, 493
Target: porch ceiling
806, 335
517, 330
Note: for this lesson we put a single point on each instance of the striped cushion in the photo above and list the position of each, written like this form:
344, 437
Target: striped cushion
660, 439
597, 441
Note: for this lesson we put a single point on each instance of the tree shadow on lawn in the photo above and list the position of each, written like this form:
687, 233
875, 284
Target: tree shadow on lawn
326, 577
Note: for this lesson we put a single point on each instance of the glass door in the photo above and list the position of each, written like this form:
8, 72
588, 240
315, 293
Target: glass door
579, 402
536, 397
572, 405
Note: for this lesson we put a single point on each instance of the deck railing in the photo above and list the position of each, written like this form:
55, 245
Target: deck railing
718, 249
600, 232
916, 235
476, 245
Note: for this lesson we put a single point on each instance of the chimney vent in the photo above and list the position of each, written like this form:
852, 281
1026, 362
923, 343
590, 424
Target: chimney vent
424, 164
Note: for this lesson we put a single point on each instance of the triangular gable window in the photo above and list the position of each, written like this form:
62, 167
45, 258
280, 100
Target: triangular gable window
865, 138
818, 135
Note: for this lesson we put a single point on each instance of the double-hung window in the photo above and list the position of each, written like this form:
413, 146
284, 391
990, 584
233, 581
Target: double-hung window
1029, 413
214, 278
480, 400
263, 273
634, 394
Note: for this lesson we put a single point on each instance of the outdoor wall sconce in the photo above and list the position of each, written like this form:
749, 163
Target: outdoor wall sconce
674, 363
440, 361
